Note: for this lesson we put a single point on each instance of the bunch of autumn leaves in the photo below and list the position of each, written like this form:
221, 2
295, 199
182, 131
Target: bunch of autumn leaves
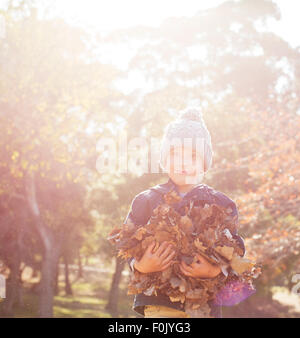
203, 230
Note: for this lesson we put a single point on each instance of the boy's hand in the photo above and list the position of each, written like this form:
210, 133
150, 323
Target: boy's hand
203, 269
155, 259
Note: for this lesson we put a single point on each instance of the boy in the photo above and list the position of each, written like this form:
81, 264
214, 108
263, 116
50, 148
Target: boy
185, 174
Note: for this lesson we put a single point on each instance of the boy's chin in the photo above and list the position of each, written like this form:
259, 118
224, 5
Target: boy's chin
185, 179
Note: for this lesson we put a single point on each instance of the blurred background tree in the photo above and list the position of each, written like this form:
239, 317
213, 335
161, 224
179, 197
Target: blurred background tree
59, 97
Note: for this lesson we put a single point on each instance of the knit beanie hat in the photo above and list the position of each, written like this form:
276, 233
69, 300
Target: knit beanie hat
189, 125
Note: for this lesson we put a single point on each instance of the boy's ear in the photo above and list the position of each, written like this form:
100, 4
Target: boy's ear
162, 166
207, 158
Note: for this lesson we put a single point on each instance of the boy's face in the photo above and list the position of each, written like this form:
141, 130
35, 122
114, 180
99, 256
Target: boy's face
185, 165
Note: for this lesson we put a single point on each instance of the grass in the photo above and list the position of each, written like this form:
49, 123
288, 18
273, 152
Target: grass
90, 297
79, 307
88, 300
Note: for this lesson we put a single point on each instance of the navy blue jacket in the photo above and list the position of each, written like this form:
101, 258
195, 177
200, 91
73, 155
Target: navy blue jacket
140, 212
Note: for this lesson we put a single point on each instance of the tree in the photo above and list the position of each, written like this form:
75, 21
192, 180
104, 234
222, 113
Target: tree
50, 91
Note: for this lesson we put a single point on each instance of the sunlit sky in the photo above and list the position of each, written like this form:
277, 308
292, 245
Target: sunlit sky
107, 15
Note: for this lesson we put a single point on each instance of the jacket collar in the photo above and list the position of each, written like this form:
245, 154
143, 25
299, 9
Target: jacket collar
165, 187
170, 185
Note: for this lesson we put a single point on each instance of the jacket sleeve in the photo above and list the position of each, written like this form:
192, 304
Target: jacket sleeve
229, 203
227, 296
139, 213
235, 234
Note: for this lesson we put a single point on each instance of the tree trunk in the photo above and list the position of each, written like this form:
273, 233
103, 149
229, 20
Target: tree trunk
56, 280
112, 305
80, 271
12, 287
50, 250
68, 288
49, 264
20, 299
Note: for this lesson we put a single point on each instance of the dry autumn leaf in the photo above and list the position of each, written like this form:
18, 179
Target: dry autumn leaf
240, 264
225, 251
201, 230
199, 245
186, 224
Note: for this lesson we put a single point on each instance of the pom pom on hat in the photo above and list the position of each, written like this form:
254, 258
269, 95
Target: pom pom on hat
191, 114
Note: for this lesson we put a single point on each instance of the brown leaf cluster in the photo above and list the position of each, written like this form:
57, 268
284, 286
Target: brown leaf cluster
204, 230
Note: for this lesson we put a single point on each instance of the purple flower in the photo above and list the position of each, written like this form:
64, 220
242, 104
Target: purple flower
233, 293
